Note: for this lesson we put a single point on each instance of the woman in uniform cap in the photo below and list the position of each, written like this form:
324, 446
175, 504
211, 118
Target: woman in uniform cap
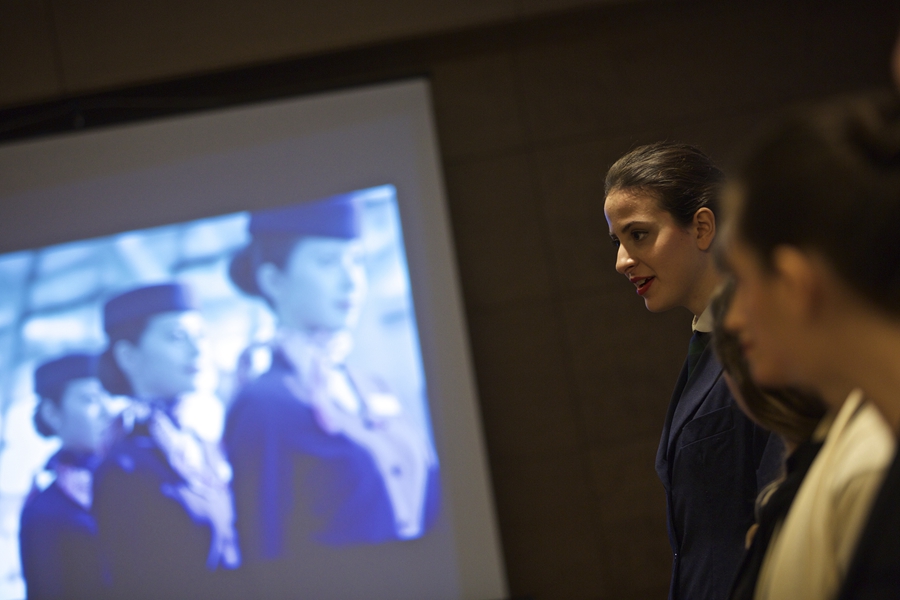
322, 457
58, 534
161, 498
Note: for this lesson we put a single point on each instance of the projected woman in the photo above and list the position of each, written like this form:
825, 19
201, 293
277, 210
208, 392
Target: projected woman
57, 534
321, 456
162, 503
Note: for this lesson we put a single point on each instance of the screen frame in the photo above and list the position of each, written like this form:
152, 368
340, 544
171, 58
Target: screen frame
350, 129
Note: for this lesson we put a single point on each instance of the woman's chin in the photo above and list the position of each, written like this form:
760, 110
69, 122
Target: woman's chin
188, 387
768, 375
654, 305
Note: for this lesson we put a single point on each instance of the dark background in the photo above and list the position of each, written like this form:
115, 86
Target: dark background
534, 99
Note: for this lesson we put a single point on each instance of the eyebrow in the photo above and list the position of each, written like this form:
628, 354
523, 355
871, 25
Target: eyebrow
628, 226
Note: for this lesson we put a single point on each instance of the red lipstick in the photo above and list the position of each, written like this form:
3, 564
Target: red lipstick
642, 284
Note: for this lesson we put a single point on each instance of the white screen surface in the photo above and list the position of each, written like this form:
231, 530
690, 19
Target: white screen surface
201, 175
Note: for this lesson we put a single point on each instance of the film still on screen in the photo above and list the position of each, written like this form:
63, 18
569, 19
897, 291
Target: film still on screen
200, 407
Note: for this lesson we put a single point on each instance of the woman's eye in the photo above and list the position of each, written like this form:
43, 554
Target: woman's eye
327, 260
638, 235
180, 336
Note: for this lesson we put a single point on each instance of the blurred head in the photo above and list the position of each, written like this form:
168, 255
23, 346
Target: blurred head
811, 236
791, 413
321, 286
660, 206
307, 262
155, 342
73, 404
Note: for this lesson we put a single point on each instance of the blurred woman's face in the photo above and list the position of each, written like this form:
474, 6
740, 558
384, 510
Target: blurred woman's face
166, 361
322, 286
769, 337
82, 418
657, 255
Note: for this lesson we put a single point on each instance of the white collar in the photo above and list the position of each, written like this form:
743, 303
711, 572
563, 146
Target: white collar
703, 323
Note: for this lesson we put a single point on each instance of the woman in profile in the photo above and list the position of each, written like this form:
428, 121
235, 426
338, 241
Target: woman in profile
58, 534
800, 419
661, 206
813, 214
161, 498
323, 458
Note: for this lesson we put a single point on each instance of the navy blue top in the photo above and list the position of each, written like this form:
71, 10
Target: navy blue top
874, 572
58, 540
151, 544
713, 462
296, 487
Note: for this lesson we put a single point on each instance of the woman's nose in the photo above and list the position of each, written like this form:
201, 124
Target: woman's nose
624, 261
733, 317
104, 410
194, 344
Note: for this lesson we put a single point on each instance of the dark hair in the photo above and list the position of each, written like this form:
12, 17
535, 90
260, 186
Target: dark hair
828, 180
108, 371
680, 176
262, 249
42, 426
791, 413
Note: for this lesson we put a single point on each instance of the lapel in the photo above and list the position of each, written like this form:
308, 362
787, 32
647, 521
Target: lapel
705, 375
687, 398
662, 453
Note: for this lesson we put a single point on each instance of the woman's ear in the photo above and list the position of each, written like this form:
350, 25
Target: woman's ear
801, 282
126, 356
270, 281
705, 228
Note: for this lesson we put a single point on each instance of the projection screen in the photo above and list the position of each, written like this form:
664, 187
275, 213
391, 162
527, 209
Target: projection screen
91, 215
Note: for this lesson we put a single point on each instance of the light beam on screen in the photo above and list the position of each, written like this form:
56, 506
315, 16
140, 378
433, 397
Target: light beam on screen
142, 198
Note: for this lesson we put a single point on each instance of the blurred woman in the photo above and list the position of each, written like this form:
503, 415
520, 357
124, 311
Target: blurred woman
161, 498
798, 418
58, 534
813, 215
661, 203
322, 457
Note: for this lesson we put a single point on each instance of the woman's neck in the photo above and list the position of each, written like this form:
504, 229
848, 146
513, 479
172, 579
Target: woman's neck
336, 345
161, 401
867, 354
703, 289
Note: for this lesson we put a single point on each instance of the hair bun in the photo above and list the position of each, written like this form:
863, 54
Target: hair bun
242, 271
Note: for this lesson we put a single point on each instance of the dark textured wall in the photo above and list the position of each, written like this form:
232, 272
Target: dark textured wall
573, 373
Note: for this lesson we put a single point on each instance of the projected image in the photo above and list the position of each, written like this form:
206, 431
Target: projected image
186, 404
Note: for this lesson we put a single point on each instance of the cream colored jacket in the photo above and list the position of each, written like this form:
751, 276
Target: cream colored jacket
810, 551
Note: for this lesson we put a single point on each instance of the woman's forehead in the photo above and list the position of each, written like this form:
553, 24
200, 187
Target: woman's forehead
168, 320
312, 245
624, 206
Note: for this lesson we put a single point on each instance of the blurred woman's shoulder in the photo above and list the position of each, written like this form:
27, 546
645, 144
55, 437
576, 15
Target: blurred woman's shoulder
867, 443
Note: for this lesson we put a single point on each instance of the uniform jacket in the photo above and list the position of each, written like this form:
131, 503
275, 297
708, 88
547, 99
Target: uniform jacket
299, 488
874, 572
770, 515
153, 544
58, 536
712, 461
